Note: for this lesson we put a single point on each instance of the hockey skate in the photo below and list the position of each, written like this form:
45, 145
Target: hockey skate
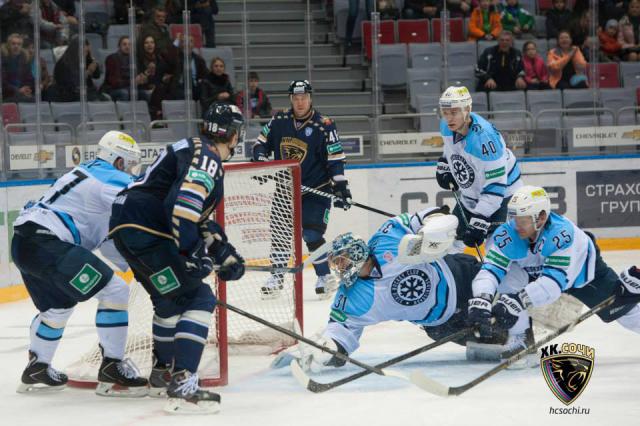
120, 378
499, 352
159, 379
326, 286
186, 397
41, 377
273, 288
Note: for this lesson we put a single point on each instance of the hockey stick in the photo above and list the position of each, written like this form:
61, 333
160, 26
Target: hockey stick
310, 342
308, 189
315, 255
426, 383
464, 218
317, 387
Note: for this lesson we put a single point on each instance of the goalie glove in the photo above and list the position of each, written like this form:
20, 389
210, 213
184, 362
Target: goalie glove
510, 308
310, 357
444, 176
431, 242
342, 195
476, 232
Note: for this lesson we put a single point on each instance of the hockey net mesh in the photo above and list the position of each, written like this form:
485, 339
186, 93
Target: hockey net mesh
259, 219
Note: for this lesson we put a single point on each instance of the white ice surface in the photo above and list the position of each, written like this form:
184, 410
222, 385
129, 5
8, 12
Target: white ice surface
259, 396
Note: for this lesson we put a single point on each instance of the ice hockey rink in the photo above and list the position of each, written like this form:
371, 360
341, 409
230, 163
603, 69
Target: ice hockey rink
258, 395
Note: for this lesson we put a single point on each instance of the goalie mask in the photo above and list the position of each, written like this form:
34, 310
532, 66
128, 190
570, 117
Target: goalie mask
347, 255
431, 242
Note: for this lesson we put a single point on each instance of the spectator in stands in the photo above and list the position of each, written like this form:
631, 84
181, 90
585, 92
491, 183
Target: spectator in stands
117, 81
54, 29
579, 29
67, 76
15, 17
216, 85
567, 66
156, 76
558, 18
202, 12
518, 20
354, 10
500, 67
459, 8
535, 70
258, 102
68, 11
17, 79
610, 47
46, 80
198, 71
611, 9
420, 9
485, 22
629, 32
121, 9
157, 28
388, 9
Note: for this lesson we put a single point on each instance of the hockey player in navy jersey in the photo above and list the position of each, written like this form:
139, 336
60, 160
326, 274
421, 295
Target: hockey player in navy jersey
535, 257
304, 135
161, 225
402, 274
477, 163
52, 248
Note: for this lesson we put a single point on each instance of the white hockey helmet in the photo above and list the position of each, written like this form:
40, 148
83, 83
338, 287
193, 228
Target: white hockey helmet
456, 97
433, 240
114, 145
529, 201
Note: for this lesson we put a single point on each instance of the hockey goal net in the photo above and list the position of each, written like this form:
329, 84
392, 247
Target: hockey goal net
261, 216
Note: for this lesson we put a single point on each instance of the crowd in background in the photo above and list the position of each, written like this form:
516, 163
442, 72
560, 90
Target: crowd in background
159, 57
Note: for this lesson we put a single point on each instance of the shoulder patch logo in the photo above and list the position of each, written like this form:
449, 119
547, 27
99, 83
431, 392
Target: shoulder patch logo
308, 131
567, 371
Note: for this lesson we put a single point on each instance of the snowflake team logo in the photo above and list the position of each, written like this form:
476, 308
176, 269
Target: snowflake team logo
462, 171
411, 287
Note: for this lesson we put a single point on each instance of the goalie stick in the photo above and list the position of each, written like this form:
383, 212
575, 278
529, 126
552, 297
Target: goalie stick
426, 383
353, 203
310, 342
316, 387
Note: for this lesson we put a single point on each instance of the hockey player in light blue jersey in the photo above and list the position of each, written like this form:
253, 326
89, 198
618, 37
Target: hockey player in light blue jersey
535, 257
477, 163
402, 274
52, 248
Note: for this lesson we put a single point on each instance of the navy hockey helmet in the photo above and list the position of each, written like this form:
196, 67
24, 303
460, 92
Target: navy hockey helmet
222, 121
299, 87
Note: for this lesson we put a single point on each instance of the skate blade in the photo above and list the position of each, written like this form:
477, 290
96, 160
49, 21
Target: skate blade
181, 406
271, 295
157, 392
38, 388
118, 391
529, 361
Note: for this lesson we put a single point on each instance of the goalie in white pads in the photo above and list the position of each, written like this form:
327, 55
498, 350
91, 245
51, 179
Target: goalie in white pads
535, 257
402, 274
52, 246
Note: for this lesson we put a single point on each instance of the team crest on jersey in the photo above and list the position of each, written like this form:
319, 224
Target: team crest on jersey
308, 131
293, 149
463, 172
411, 287
567, 371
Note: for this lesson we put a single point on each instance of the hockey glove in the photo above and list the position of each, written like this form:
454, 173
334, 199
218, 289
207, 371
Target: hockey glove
198, 264
231, 263
510, 308
443, 175
476, 232
629, 289
343, 195
211, 232
479, 313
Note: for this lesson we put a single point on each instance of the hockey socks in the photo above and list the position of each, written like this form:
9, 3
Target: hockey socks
46, 331
191, 336
112, 325
164, 330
